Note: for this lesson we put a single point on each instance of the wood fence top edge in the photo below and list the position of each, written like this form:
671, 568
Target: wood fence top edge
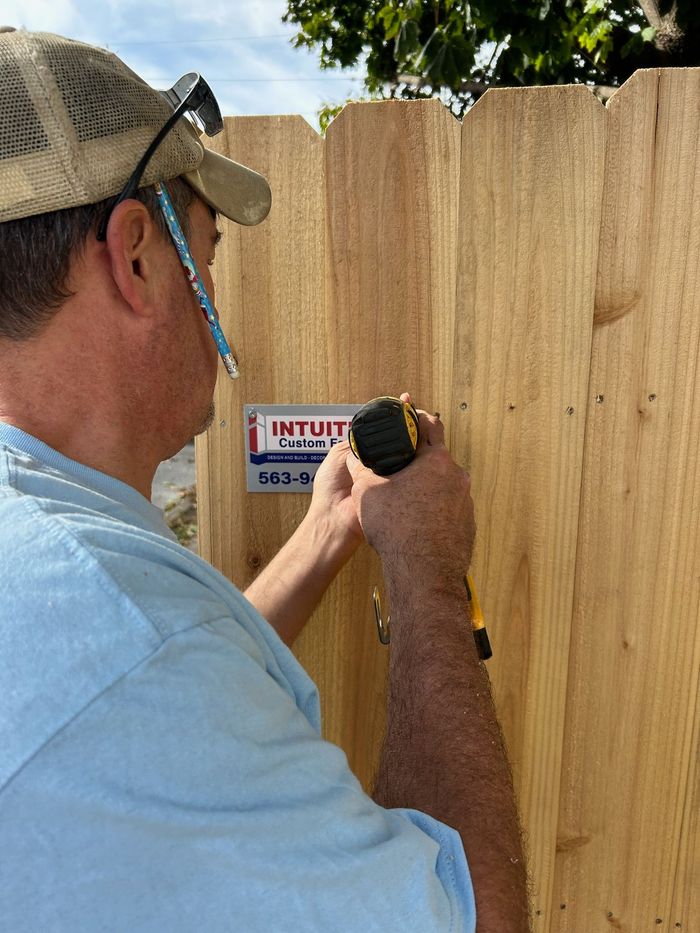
537, 89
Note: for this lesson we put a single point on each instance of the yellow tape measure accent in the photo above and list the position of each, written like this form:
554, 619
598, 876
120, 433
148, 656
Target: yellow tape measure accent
411, 424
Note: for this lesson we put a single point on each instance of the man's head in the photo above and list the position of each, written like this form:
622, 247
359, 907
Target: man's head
83, 140
75, 123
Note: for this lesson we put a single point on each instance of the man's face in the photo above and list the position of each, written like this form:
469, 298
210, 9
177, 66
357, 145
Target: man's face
191, 359
203, 239
207, 232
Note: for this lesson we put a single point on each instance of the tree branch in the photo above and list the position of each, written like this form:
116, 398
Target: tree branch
650, 8
669, 35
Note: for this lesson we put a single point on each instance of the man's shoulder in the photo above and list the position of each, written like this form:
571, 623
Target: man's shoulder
86, 597
77, 560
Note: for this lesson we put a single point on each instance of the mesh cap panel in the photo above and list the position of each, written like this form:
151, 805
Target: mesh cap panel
74, 122
14, 97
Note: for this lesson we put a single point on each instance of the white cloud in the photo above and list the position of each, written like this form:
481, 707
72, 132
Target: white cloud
45, 15
142, 32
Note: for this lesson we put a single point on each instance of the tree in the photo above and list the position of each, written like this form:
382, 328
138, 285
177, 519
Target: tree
456, 49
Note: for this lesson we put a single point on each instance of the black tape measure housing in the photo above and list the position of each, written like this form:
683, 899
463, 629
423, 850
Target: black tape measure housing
384, 435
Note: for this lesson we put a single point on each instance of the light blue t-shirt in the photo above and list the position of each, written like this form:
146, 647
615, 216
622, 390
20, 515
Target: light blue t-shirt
161, 765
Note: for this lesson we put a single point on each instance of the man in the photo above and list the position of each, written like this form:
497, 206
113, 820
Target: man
161, 764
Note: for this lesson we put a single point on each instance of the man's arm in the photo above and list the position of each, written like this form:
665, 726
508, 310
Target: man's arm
290, 587
443, 752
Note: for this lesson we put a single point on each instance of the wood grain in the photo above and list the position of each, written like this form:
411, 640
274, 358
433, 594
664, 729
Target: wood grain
532, 175
392, 174
345, 292
534, 276
630, 755
271, 302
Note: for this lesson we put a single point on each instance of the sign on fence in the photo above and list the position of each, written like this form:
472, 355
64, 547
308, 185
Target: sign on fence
286, 444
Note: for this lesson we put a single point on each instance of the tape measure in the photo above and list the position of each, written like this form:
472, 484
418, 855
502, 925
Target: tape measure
384, 435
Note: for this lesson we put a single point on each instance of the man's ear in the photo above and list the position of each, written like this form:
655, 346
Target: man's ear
135, 249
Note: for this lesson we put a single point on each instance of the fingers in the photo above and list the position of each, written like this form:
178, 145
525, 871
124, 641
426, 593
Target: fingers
431, 431
341, 448
353, 464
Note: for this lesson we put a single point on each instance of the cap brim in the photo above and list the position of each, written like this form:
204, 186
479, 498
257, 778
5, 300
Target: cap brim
233, 190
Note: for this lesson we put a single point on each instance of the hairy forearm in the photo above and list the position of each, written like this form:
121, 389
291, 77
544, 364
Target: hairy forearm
444, 752
290, 587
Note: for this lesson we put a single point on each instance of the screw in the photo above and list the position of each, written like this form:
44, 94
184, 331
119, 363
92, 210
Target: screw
511, 407
222, 424
464, 406
599, 399
569, 410
652, 397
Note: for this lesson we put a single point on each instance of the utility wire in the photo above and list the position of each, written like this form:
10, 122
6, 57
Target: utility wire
118, 42
249, 80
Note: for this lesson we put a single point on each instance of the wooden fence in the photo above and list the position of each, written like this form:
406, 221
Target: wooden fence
534, 275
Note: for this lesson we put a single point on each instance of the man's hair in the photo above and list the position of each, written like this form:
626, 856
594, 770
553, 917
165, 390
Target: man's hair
36, 254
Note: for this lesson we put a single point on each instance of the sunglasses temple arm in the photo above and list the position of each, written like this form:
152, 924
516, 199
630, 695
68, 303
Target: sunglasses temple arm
132, 186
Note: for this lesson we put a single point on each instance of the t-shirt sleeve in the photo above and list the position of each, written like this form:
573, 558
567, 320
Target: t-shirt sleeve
193, 794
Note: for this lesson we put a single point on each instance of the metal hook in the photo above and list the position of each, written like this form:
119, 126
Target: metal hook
382, 626
478, 627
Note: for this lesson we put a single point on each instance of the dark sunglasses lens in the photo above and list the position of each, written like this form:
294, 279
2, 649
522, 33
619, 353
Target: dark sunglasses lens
210, 115
203, 103
193, 92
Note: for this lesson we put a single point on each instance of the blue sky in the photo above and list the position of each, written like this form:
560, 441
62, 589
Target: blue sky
241, 48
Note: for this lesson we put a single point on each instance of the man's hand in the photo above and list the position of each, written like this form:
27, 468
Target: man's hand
287, 591
423, 515
332, 502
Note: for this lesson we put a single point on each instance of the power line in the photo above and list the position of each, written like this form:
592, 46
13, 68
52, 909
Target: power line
118, 42
257, 80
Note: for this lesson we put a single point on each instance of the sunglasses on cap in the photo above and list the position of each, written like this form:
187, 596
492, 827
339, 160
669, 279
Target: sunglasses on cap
191, 94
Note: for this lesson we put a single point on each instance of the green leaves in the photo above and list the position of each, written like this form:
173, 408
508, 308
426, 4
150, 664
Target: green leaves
391, 18
446, 58
445, 45
407, 40
597, 40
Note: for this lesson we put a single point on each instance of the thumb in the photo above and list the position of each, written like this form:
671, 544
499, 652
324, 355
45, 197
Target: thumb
353, 464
